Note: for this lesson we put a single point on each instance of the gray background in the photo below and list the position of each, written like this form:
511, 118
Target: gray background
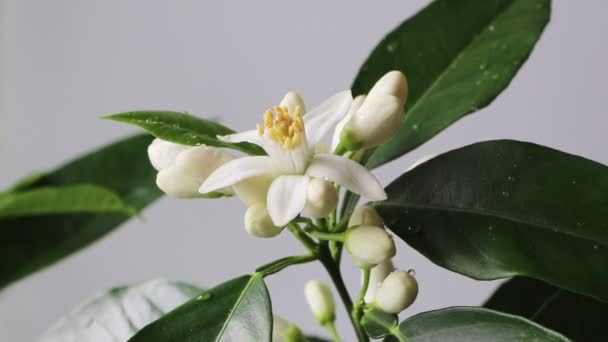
65, 63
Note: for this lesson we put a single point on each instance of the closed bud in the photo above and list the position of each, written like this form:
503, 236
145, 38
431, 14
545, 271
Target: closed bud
189, 169
369, 245
258, 222
285, 331
365, 215
162, 153
321, 301
292, 101
377, 275
253, 190
321, 198
397, 292
380, 115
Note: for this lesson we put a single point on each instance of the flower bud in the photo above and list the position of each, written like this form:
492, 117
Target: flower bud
321, 198
321, 301
365, 215
189, 170
292, 101
380, 115
162, 153
285, 331
369, 245
397, 292
377, 275
258, 222
253, 190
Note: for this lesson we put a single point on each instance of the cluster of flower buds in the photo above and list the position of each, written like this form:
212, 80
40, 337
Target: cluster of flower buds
368, 243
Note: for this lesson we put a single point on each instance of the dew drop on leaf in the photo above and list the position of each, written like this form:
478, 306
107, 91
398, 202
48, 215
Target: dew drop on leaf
414, 228
505, 194
391, 47
204, 296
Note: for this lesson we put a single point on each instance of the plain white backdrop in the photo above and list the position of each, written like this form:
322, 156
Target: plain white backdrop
63, 64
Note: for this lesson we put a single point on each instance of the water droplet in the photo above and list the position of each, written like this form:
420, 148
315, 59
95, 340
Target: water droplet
415, 127
482, 66
506, 194
491, 228
391, 47
414, 229
495, 76
574, 181
511, 179
204, 296
491, 28
596, 247
412, 272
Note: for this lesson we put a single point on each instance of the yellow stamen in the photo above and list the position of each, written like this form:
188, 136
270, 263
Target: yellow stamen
285, 129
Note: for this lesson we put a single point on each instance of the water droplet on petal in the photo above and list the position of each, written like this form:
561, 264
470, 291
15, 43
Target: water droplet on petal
412, 272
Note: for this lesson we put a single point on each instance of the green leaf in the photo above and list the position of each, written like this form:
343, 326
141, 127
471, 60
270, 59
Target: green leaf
578, 317
378, 324
238, 310
62, 200
182, 128
120, 312
472, 324
458, 56
502, 208
31, 243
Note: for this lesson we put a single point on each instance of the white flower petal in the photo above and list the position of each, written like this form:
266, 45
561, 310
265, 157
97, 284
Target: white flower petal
251, 136
162, 153
347, 173
286, 198
236, 171
281, 157
292, 100
321, 120
338, 130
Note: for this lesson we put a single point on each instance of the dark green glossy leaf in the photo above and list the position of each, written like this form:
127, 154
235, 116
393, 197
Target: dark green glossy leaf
62, 200
468, 324
458, 56
580, 318
119, 313
502, 208
182, 128
378, 324
238, 310
30, 243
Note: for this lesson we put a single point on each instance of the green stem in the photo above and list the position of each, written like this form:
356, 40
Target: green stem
327, 236
334, 273
280, 264
359, 303
305, 239
332, 331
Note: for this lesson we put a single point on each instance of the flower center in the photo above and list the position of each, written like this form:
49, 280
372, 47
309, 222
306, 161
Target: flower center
286, 130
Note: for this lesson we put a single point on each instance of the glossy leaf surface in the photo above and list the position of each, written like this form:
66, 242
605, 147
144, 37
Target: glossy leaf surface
458, 56
580, 318
120, 312
32, 242
62, 200
465, 324
502, 208
237, 310
182, 128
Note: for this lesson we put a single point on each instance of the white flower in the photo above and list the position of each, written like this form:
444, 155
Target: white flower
369, 245
377, 276
290, 140
321, 301
397, 292
258, 222
377, 116
365, 215
182, 169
